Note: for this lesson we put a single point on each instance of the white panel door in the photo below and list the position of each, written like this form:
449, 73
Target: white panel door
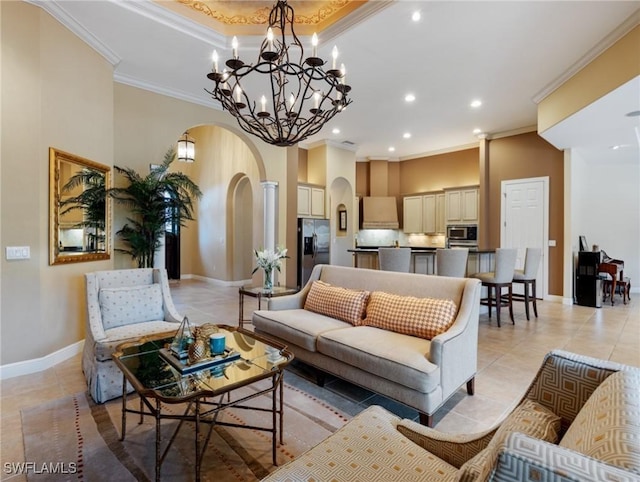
525, 223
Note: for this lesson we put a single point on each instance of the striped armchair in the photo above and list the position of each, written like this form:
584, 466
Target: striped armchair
122, 305
578, 421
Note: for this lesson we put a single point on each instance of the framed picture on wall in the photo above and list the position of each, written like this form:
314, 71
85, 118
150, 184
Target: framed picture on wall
342, 220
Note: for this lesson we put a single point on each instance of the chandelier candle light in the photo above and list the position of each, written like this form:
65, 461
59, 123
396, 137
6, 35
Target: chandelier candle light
282, 116
269, 260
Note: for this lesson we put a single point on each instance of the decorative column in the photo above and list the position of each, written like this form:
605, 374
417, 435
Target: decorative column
269, 192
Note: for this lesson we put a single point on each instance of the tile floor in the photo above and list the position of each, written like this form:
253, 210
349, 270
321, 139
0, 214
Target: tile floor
508, 358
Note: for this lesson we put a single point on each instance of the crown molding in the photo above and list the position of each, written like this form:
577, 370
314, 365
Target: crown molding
623, 29
513, 132
446, 150
53, 8
175, 21
158, 89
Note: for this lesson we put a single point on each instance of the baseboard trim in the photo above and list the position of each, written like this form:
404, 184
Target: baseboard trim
35, 365
214, 281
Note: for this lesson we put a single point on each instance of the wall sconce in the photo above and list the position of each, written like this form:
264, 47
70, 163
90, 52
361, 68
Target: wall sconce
186, 148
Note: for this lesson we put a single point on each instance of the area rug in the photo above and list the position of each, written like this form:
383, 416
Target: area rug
75, 439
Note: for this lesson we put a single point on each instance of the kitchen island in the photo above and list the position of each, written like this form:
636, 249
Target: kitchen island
423, 258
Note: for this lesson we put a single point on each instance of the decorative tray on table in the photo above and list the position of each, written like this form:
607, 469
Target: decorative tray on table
185, 368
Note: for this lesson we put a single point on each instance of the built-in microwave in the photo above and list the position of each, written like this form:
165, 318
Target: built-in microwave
463, 233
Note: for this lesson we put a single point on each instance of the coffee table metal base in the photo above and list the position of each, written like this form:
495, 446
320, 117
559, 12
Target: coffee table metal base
201, 411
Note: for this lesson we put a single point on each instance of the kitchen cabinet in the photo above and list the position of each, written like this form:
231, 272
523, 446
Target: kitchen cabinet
461, 206
424, 213
310, 201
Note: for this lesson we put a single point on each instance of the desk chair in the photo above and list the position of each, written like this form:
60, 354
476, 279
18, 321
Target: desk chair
452, 262
501, 278
394, 259
527, 277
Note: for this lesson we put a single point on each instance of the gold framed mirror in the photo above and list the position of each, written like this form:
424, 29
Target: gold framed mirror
79, 209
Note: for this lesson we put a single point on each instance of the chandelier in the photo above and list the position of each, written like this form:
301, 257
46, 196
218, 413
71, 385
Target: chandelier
297, 98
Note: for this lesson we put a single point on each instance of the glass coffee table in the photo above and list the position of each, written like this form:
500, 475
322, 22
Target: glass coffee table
205, 392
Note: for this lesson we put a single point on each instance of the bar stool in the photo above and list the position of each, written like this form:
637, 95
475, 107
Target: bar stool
394, 259
527, 277
502, 277
452, 262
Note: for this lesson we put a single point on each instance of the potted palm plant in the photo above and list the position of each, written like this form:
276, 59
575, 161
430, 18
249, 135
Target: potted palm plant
159, 198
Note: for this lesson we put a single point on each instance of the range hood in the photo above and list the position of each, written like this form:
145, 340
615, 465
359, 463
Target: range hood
379, 212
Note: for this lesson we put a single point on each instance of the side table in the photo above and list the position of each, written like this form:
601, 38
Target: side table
258, 292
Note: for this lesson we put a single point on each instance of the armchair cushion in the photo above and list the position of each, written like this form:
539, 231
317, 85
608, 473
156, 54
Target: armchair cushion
130, 304
421, 317
337, 302
529, 418
608, 426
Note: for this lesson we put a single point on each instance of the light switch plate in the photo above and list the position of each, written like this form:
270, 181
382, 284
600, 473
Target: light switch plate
552, 243
18, 252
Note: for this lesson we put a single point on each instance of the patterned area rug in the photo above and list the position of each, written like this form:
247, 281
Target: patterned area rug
75, 439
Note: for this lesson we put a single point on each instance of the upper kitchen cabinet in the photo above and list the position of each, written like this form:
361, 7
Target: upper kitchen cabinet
424, 213
461, 205
310, 201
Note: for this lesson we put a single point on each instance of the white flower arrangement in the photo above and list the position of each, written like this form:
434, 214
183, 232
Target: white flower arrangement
269, 259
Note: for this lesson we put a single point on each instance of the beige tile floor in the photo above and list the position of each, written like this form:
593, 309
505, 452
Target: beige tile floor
508, 358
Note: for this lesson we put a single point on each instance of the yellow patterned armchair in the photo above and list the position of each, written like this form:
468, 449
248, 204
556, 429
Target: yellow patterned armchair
578, 421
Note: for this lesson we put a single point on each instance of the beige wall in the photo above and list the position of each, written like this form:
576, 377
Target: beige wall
611, 69
432, 173
42, 306
520, 157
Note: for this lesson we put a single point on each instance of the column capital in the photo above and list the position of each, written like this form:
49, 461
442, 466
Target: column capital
267, 184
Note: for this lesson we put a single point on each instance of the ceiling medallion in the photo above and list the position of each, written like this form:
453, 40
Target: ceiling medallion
297, 98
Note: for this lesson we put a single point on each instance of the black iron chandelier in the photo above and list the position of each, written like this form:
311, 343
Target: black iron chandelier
297, 98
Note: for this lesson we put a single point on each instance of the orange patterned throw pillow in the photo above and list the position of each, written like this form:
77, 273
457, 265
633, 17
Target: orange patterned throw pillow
421, 317
336, 302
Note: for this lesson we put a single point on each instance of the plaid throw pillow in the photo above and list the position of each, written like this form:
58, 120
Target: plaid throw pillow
336, 302
421, 317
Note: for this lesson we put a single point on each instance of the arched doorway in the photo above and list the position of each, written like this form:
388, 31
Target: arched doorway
240, 228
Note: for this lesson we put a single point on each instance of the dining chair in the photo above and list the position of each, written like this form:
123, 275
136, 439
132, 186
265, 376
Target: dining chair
394, 259
452, 262
495, 281
527, 277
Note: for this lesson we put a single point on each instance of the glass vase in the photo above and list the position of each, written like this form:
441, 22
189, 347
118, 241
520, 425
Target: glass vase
267, 287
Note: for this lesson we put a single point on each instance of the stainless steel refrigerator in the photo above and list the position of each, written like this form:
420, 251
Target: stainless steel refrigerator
313, 246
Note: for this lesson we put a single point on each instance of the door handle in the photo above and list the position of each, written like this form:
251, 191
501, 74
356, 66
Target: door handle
315, 244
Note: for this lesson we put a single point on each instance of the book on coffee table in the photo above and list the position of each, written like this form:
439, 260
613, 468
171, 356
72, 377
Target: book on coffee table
184, 367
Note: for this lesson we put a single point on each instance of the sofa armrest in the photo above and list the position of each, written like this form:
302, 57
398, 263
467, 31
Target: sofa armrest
455, 449
525, 458
94, 315
456, 350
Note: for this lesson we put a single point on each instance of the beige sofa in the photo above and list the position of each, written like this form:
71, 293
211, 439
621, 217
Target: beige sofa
578, 421
418, 372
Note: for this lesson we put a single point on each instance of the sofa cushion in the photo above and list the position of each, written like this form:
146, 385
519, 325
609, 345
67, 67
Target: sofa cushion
608, 426
298, 327
422, 317
336, 302
131, 304
529, 418
396, 357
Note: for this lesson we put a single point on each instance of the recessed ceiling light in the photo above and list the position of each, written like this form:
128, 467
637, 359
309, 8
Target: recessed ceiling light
477, 131
409, 98
476, 103
336, 130
392, 149
407, 135
416, 16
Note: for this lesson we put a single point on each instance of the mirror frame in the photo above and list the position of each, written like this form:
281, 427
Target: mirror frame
56, 257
